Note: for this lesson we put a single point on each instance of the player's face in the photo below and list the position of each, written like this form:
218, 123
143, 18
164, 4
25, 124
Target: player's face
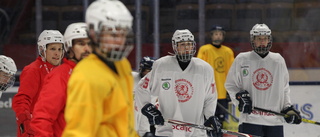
4, 77
112, 38
4, 80
217, 37
54, 53
81, 48
145, 72
261, 41
185, 47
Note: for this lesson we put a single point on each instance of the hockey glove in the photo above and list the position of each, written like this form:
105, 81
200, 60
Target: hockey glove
153, 114
23, 121
294, 115
213, 122
245, 103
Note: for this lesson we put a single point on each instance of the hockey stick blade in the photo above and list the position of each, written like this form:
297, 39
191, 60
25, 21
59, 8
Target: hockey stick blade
177, 122
285, 115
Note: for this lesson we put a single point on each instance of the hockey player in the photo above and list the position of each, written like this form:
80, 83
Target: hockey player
260, 78
142, 125
185, 88
144, 68
8, 70
50, 47
48, 117
220, 57
100, 98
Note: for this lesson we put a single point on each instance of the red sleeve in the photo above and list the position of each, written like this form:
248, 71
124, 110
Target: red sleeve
29, 86
51, 103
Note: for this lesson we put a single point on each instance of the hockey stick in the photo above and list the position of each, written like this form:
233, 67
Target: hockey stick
224, 109
285, 115
177, 122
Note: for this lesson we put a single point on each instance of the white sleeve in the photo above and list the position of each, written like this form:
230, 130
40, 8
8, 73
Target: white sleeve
210, 102
141, 122
233, 82
143, 91
142, 97
287, 101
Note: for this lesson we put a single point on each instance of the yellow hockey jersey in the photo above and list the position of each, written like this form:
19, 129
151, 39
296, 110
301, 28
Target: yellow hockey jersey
220, 60
99, 101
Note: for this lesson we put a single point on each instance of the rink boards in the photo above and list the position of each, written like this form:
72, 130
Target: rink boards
304, 97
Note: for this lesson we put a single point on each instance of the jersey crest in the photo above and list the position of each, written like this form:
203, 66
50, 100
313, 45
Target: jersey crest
219, 64
184, 90
262, 79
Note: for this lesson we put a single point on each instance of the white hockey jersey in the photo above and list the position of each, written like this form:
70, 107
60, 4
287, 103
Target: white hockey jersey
187, 95
267, 81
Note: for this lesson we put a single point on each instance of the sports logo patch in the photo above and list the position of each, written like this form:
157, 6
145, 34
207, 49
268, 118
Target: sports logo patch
245, 72
262, 79
184, 90
166, 85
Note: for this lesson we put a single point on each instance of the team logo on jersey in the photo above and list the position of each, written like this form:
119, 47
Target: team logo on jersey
262, 79
219, 64
245, 72
184, 90
166, 85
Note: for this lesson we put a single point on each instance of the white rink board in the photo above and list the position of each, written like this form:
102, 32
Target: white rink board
307, 100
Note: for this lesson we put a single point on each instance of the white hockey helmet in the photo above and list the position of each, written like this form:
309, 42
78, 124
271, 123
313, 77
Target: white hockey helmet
74, 31
183, 36
111, 16
47, 37
8, 70
259, 30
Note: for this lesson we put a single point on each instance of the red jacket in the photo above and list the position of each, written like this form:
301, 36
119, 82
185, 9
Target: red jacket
48, 114
31, 80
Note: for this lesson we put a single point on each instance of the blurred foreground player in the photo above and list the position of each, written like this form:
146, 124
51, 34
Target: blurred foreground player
99, 95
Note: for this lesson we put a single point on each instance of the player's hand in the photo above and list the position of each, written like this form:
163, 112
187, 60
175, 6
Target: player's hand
28, 133
294, 115
153, 114
23, 121
213, 122
245, 103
